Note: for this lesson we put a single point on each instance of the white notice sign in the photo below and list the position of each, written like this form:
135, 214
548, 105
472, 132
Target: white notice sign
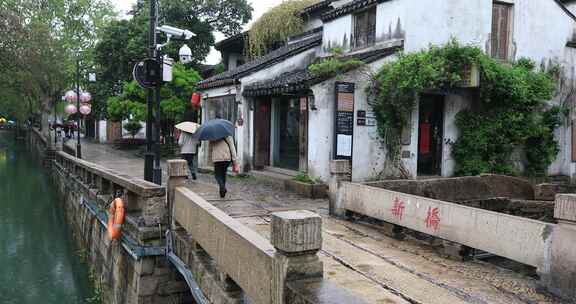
344, 145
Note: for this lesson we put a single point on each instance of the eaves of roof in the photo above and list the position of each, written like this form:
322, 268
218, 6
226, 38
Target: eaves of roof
236, 39
349, 8
315, 8
564, 8
272, 58
360, 4
302, 79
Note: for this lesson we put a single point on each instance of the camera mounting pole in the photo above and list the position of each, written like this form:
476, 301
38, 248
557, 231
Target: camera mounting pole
149, 156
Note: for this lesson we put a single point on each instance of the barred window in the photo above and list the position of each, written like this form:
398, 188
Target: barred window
365, 28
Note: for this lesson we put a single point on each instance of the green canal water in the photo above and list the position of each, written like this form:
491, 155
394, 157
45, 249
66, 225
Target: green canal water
38, 260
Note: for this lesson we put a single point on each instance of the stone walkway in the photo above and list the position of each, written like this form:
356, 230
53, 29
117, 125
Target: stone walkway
356, 257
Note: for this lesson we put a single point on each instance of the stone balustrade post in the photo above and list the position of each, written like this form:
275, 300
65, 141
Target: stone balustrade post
177, 174
560, 275
297, 236
340, 170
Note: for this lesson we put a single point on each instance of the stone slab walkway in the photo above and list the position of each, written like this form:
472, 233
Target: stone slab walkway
356, 257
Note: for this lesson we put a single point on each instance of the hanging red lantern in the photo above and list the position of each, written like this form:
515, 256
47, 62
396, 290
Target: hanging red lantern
196, 97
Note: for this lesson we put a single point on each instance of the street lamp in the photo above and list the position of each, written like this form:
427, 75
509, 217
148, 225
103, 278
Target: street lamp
82, 107
152, 168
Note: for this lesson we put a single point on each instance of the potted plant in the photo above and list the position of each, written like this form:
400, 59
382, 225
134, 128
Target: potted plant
307, 186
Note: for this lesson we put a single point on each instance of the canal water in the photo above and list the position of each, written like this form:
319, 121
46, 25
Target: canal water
38, 260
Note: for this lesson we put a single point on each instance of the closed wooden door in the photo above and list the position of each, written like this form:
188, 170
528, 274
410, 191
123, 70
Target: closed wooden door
262, 126
114, 131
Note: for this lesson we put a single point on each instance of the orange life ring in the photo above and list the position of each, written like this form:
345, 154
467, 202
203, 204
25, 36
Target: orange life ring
116, 215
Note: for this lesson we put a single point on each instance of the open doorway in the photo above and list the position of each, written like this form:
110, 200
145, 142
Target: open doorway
430, 135
287, 134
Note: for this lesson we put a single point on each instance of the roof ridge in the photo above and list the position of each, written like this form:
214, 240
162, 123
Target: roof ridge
261, 62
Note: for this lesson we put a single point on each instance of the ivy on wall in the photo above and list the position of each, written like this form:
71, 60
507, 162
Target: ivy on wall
510, 113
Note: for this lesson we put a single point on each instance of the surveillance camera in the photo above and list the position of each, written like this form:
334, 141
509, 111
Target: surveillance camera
176, 32
185, 54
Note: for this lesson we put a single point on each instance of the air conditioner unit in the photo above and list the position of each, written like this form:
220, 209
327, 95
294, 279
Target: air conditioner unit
470, 77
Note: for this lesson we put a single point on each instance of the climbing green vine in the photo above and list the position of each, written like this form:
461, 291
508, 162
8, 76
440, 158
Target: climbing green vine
334, 65
277, 25
511, 112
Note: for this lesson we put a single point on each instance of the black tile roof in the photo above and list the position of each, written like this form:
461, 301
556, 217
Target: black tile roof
360, 4
237, 39
230, 77
314, 8
302, 79
293, 81
562, 4
349, 8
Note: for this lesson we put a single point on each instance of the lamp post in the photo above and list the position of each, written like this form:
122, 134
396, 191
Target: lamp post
80, 110
78, 144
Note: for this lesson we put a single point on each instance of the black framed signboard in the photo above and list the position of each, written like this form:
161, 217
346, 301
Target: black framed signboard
344, 120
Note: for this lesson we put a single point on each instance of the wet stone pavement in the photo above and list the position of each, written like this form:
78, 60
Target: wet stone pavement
357, 257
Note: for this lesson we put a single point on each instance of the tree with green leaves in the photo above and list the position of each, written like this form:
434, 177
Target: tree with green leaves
175, 100
124, 42
39, 44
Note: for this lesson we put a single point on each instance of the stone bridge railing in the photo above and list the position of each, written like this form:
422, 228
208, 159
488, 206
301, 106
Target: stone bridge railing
229, 262
133, 269
551, 248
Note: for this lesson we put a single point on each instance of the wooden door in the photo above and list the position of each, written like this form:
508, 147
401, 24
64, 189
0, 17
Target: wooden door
262, 128
303, 134
114, 131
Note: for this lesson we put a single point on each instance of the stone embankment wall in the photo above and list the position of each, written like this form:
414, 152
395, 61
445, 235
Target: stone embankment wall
133, 269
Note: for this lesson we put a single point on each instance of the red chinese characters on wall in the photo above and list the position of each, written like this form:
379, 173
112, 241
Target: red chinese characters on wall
433, 219
398, 208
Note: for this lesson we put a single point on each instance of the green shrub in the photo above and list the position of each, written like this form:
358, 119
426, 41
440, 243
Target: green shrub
133, 127
304, 178
335, 65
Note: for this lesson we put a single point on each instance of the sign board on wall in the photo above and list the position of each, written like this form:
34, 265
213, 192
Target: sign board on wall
344, 122
366, 118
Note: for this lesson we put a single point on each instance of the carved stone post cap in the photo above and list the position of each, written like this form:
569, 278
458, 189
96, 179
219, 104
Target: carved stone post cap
296, 231
177, 168
565, 208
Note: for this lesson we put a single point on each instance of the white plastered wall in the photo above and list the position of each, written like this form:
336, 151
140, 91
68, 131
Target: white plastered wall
540, 32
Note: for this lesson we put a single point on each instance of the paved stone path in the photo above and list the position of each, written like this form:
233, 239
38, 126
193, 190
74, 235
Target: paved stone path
356, 257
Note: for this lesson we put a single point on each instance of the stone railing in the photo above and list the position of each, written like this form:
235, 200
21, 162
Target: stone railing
548, 247
228, 260
133, 269
145, 202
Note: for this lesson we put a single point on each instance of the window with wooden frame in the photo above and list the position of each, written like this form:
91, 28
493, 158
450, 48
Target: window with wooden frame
501, 30
365, 28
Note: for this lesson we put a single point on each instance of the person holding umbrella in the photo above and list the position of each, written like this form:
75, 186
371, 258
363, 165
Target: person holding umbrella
189, 145
222, 149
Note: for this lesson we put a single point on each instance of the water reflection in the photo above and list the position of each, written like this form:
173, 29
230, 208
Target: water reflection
38, 262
